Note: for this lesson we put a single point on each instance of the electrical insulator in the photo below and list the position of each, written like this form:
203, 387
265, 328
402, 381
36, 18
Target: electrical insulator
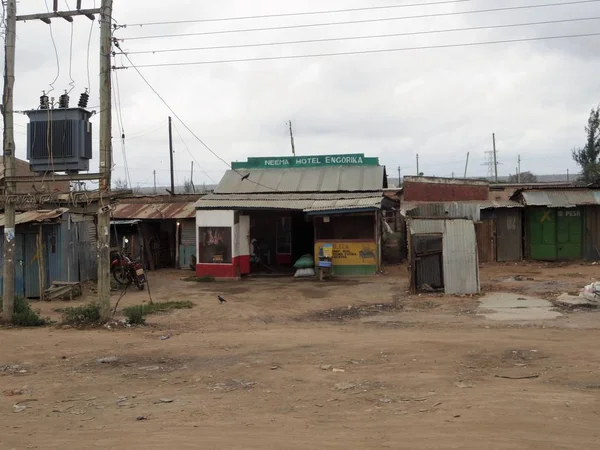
63, 101
83, 99
44, 101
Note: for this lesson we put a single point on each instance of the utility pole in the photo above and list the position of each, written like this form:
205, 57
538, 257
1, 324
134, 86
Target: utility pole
171, 157
192, 179
466, 165
519, 169
418, 173
154, 173
292, 138
495, 158
105, 158
8, 295
399, 176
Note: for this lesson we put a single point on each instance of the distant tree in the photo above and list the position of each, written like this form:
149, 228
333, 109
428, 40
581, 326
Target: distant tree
525, 177
188, 187
120, 184
587, 156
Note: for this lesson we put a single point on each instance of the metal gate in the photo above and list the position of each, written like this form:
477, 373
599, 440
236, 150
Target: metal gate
486, 242
509, 235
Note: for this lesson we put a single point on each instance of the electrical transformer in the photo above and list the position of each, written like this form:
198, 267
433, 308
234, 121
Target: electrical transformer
59, 139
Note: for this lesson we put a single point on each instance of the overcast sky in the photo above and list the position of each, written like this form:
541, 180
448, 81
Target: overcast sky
439, 103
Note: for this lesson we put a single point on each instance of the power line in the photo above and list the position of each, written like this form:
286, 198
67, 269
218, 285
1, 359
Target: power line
188, 128
189, 151
119, 111
375, 36
88, 52
303, 13
349, 22
55, 52
361, 52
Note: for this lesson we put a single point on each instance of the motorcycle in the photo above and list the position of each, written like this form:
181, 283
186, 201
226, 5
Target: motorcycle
125, 271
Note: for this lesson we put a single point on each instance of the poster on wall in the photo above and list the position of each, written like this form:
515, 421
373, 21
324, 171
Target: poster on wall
352, 253
215, 245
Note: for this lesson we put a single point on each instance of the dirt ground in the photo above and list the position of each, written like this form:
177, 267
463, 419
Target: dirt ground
346, 364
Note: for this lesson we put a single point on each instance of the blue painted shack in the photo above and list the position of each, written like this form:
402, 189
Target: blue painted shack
51, 245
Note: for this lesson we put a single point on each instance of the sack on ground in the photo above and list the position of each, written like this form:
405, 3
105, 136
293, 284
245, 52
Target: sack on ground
301, 273
305, 262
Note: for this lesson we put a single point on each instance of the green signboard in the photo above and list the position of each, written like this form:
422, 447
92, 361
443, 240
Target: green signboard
283, 162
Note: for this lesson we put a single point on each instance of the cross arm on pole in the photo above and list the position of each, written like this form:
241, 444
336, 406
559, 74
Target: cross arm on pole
67, 15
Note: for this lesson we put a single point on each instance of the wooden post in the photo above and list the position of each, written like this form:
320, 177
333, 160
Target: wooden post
41, 262
177, 234
171, 156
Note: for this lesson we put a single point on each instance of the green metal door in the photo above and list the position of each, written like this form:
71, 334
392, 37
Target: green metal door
569, 234
542, 234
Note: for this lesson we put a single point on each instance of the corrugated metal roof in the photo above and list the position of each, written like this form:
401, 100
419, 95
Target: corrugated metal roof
299, 202
125, 222
314, 179
561, 198
175, 210
36, 216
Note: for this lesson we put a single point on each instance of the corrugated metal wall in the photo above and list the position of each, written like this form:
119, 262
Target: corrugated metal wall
591, 242
447, 210
188, 232
461, 268
509, 234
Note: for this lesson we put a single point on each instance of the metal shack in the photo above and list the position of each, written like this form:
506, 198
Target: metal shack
288, 207
160, 229
51, 245
561, 224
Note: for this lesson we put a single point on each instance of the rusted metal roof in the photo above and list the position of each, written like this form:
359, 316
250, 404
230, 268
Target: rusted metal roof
561, 198
314, 179
36, 216
185, 210
467, 209
299, 202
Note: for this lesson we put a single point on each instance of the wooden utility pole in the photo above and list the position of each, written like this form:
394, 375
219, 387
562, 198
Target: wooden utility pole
192, 179
105, 158
105, 150
418, 173
495, 158
399, 176
466, 165
292, 138
8, 295
519, 169
171, 157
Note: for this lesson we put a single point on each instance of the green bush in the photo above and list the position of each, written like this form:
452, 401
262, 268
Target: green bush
82, 315
203, 279
135, 315
24, 316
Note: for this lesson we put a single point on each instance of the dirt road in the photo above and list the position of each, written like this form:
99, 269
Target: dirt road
297, 365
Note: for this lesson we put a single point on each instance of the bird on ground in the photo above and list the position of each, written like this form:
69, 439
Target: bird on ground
221, 299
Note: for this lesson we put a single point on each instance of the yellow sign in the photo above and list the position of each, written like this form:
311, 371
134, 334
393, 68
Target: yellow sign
351, 253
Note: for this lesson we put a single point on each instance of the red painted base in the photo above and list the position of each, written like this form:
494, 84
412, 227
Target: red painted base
243, 263
216, 270
283, 259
